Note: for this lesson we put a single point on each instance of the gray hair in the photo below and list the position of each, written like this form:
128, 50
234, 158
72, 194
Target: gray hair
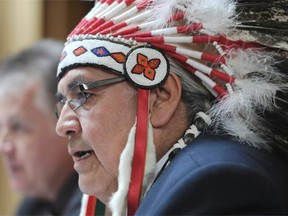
196, 97
36, 63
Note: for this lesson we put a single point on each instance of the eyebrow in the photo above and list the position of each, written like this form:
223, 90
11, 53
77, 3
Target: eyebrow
77, 81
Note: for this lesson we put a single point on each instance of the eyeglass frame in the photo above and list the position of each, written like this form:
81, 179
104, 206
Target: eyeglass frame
84, 87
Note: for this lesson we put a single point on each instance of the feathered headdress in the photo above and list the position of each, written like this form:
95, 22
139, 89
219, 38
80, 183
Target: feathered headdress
242, 41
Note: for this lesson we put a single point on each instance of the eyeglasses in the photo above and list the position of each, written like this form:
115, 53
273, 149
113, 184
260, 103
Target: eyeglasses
77, 95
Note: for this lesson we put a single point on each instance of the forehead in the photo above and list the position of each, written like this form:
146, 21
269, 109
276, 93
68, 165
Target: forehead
15, 82
19, 103
81, 75
18, 91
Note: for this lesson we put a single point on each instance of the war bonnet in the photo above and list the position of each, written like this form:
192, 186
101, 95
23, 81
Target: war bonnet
245, 46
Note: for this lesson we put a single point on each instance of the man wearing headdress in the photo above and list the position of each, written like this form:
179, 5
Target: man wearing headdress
178, 107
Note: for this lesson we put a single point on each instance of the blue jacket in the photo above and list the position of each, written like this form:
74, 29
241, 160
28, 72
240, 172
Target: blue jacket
215, 175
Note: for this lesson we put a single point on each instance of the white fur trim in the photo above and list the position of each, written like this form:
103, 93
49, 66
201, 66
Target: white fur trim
150, 163
84, 202
118, 201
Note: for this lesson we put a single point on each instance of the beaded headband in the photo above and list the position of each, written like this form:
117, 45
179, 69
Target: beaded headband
117, 55
135, 38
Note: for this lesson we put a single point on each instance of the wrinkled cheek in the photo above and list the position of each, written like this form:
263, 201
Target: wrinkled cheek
89, 179
104, 143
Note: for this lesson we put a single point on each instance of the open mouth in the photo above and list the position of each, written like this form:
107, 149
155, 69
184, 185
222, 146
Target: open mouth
82, 154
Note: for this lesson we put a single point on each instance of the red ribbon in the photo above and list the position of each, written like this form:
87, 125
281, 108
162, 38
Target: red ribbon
138, 162
91, 206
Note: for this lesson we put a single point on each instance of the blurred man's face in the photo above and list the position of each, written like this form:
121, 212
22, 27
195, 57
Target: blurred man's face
98, 130
33, 157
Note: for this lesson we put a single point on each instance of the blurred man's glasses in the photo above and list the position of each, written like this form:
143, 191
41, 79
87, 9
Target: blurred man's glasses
78, 94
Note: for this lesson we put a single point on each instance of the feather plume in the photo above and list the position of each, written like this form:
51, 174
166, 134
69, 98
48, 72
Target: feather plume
237, 128
236, 117
216, 16
257, 83
162, 10
243, 62
258, 92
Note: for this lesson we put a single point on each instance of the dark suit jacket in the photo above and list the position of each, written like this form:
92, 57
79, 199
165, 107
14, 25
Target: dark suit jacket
215, 175
68, 201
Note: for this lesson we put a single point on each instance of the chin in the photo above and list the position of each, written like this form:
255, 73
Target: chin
25, 191
86, 186
18, 186
84, 189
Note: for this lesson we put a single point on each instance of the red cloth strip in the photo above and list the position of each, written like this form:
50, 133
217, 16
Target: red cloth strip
139, 34
221, 91
94, 26
193, 39
128, 2
176, 16
86, 25
238, 44
91, 206
78, 27
114, 28
127, 31
222, 76
143, 4
138, 163
104, 26
204, 56
189, 28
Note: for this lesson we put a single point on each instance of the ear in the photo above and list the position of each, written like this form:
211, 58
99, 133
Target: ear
164, 100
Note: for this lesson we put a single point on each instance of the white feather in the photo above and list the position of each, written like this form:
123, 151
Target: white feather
216, 16
162, 11
238, 128
235, 116
260, 92
237, 113
243, 62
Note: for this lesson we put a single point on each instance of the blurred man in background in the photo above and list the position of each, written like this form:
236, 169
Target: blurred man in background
36, 159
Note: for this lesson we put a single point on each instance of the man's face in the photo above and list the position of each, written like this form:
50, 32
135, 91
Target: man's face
98, 130
35, 157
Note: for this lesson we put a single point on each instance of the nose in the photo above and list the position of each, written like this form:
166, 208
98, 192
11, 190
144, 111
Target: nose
68, 123
6, 145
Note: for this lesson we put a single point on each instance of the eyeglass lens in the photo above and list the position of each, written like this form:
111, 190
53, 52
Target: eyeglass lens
75, 99
77, 96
